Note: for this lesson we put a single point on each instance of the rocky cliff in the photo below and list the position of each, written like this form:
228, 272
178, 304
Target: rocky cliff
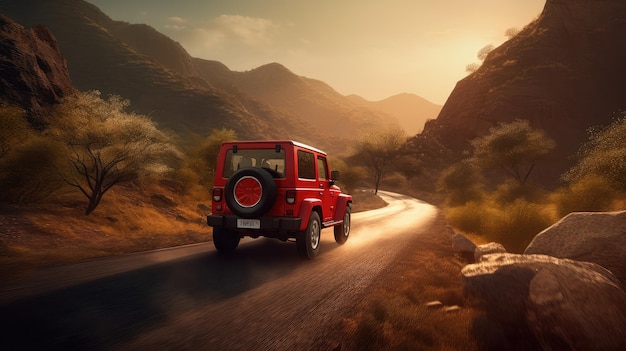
34, 73
564, 72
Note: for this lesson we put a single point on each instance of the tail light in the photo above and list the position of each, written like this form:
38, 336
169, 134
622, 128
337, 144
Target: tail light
291, 197
217, 194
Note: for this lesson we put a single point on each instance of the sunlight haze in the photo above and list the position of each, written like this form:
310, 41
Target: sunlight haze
374, 49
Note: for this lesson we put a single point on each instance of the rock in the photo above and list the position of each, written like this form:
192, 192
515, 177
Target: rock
563, 304
598, 237
463, 246
450, 309
34, 73
486, 249
434, 305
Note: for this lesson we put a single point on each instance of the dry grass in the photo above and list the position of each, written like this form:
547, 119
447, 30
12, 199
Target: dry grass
394, 315
131, 218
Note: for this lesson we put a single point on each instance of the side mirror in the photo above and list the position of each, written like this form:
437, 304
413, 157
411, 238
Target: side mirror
334, 175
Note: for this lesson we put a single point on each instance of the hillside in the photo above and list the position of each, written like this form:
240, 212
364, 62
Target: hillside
564, 72
186, 94
410, 110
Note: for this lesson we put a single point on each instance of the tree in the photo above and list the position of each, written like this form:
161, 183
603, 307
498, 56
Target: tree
482, 55
603, 156
484, 51
511, 32
513, 148
377, 150
105, 145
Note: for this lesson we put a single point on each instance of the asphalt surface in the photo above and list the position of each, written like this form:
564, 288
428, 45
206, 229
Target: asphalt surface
191, 298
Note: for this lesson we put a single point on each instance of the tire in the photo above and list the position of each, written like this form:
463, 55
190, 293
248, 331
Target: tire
225, 241
343, 231
250, 192
308, 241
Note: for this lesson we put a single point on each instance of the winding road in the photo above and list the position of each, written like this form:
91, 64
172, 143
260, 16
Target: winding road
191, 298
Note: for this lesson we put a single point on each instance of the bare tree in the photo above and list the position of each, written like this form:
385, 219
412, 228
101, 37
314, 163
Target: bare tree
105, 145
511, 32
377, 150
484, 51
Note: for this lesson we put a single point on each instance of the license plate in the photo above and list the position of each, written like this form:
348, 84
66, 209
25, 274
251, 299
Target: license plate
249, 223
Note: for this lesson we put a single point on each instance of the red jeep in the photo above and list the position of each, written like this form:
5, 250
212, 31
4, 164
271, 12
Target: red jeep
279, 189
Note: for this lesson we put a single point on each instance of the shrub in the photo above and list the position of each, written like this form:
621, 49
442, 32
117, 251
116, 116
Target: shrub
461, 183
591, 193
469, 218
29, 173
511, 190
515, 225
604, 155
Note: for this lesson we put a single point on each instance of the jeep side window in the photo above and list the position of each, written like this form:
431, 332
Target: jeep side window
321, 168
306, 165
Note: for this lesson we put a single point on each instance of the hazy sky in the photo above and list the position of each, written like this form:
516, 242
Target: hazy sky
374, 49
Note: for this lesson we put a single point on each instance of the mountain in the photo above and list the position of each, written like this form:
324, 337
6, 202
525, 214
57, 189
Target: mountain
410, 110
34, 73
191, 95
564, 72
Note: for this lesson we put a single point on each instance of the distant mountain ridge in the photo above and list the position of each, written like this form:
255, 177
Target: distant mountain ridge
564, 72
188, 94
412, 111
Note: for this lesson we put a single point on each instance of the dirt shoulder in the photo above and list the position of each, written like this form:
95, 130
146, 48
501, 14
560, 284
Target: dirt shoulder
395, 313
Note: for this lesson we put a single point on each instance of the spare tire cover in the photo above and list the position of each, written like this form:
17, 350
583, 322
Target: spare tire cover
250, 192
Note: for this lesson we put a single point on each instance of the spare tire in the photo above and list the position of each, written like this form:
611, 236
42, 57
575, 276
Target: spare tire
250, 192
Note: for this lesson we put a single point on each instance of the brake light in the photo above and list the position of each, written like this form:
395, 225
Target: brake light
291, 197
217, 194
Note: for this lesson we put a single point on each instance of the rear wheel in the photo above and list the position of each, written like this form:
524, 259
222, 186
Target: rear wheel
308, 241
225, 241
343, 231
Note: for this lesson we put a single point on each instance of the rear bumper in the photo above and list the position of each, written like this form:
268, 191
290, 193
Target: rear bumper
269, 225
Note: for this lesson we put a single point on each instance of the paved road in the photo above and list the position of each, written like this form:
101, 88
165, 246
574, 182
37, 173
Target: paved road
191, 298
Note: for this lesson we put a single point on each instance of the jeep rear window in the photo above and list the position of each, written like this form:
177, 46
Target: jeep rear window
268, 159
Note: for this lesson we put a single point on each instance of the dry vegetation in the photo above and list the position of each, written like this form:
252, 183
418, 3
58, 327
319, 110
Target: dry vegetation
395, 316
133, 217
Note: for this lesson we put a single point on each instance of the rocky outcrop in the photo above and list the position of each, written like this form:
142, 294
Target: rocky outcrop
564, 73
34, 73
486, 249
598, 237
561, 304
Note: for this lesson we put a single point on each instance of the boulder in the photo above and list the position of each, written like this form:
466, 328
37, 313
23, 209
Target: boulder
486, 249
561, 304
598, 237
462, 246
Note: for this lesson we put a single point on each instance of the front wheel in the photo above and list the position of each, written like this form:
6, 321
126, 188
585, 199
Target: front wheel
225, 241
342, 231
308, 241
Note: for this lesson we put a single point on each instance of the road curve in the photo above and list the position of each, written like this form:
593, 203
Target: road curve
263, 297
